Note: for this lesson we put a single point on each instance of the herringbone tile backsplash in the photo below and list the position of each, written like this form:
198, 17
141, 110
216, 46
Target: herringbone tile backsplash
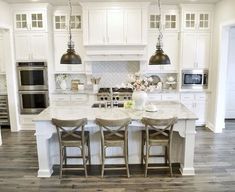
114, 73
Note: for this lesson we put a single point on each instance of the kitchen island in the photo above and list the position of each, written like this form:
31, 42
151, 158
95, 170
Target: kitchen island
182, 145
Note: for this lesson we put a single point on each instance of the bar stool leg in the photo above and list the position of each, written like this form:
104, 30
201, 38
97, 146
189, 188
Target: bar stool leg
126, 160
65, 156
166, 155
169, 159
146, 160
142, 148
103, 159
61, 161
84, 160
89, 149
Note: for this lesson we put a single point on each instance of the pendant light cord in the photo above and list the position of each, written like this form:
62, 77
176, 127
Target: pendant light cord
70, 15
160, 36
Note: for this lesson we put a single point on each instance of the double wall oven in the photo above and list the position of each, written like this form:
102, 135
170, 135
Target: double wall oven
33, 87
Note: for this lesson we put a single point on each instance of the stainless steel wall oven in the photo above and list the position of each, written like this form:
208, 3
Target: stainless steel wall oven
33, 87
32, 76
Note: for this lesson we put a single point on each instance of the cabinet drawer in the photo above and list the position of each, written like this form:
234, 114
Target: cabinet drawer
154, 97
200, 97
61, 97
170, 97
79, 98
187, 97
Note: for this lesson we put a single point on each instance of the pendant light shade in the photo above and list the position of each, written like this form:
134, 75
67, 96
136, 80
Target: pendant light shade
159, 58
70, 57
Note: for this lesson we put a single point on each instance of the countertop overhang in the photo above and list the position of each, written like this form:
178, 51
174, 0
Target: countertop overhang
166, 109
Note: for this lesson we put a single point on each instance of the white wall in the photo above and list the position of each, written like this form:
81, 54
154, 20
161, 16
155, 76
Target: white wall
7, 30
5, 15
224, 17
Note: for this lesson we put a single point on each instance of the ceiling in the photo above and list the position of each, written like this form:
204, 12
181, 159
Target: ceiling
64, 2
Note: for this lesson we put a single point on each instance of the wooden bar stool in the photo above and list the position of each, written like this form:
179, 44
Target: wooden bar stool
114, 133
158, 132
69, 136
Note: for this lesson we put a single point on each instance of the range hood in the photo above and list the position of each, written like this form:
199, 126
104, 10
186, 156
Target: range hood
115, 30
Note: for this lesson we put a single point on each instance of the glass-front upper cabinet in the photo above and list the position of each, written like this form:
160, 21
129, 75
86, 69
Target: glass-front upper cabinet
61, 22
196, 21
169, 20
29, 21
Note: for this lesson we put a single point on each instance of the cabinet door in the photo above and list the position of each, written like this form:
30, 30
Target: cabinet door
203, 50
37, 21
189, 50
204, 20
115, 26
21, 21
133, 26
38, 46
189, 20
2, 64
22, 47
201, 112
60, 22
60, 48
97, 26
171, 48
170, 21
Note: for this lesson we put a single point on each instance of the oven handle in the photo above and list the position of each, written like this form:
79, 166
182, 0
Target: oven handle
32, 92
31, 68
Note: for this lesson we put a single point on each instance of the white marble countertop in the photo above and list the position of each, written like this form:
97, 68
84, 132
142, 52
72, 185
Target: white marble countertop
166, 109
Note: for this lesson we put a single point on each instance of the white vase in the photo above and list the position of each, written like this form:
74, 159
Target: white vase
63, 85
140, 98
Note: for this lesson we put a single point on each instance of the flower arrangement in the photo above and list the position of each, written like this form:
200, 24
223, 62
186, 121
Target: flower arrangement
139, 83
61, 77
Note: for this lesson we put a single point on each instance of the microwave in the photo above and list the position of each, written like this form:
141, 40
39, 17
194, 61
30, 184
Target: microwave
194, 79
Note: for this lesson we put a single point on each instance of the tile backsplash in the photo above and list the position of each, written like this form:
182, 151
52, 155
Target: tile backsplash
114, 73
3, 82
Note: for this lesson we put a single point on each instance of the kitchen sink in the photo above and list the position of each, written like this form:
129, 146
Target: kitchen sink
102, 105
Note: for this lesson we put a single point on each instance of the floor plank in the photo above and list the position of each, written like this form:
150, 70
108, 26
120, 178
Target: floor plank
214, 164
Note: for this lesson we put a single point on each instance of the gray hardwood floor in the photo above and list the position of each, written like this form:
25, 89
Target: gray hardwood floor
214, 164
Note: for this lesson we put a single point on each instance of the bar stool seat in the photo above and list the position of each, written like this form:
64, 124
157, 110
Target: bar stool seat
69, 136
114, 133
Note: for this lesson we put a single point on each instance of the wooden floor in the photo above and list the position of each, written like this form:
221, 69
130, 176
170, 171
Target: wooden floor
214, 164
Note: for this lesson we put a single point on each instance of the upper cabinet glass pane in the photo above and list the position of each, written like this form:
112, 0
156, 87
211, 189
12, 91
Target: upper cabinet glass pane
154, 21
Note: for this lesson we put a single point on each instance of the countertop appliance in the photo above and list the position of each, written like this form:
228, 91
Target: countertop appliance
195, 79
33, 87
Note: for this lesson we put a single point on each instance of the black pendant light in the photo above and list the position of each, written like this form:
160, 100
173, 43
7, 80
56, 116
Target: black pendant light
70, 57
159, 58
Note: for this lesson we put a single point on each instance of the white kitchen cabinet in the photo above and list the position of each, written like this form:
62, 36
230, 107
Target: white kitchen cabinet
30, 46
61, 22
197, 103
114, 26
196, 50
97, 26
30, 20
60, 48
170, 47
196, 20
60, 99
169, 19
163, 97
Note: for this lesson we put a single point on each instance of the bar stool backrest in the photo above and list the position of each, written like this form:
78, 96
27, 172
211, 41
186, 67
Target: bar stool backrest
113, 127
70, 129
159, 127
